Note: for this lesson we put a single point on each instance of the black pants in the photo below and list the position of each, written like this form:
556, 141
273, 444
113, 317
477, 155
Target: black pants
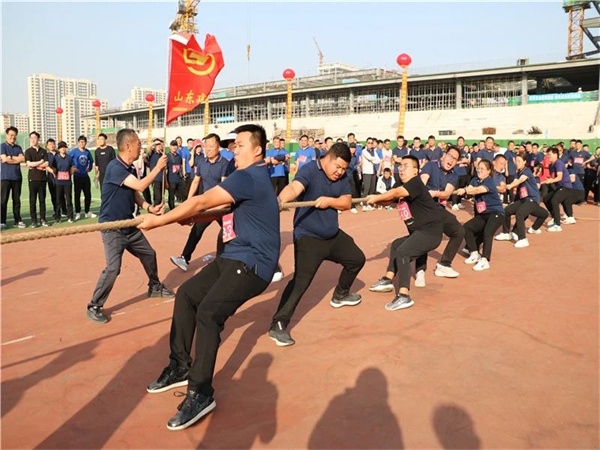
115, 243
509, 195
455, 232
522, 209
157, 188
52, 190
408, 248
596, 188
278, 184
354, 185
63, 197
100, 180
482, 228
8, 186
309, 253
577, 197
396, 178
196, 234
589, 182
369, 183
37, 191
463, 181
555, 198
187, 182
175, 189
202, 305
83, 184
147, 195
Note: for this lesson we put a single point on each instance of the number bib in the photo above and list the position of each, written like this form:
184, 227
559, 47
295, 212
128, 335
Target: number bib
578, 160
228, 233
175, 168
404, 211
523, 192
63, 176
301, 159
480, 206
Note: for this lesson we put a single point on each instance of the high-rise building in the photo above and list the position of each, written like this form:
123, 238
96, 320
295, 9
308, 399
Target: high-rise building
21, 121
138, 98
73, 123
45, 93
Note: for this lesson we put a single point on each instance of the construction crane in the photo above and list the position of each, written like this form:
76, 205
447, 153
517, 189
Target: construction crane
185, 20
578, 25
320, 52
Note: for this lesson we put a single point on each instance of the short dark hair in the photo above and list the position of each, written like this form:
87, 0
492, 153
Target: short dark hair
351, 134
351, 145
452, 147
258, 135
34, 133
387, 169
11, 128
487, 163
103, 135
339, 141
83, 138
328, 138
536, 144
489, 137
386, 140
191, 139
214, 136
50, 140
554, 150
431, 136
460, 137
173, 142
304, 136
400, 137
412, 158
499, 156
510, 142
123, 136
340, 150
579, 141
416, 138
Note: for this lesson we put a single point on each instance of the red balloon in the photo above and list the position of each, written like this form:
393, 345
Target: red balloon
96, 104
59, 110
288, 74
403, 60
149, 97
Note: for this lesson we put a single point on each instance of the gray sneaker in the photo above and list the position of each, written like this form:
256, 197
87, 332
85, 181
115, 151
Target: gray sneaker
280, 335
383, 285
400, 301
180, 262
21, 225
95, 314
351, 299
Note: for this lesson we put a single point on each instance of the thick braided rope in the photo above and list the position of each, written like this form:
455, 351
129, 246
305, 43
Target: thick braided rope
118, 224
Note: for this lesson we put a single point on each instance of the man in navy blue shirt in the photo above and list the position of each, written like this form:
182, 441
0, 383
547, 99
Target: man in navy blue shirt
417, 152
11, 157
441, 181
175, 174
211, 170
397, 154
434, 151
277, 159
157, 184
317, 236
304, 154
84, 163
487, 152
120, 195
36, 158
243, 271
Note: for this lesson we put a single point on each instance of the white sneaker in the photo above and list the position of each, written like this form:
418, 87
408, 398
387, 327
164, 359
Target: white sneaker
455, 207
473, 259
445, 272
364, 209
70, 220
554, 229
514, 236
550, 224
532, 231
354, 211
180, 262
482, 264
277, 277
522, 243
91, 215
370, 208
503, 237
77, 216
569, 221
21, 224
420, 279
460, 206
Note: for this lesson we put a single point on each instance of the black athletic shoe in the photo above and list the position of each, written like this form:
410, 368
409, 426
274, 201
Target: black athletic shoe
191, 410
351, 299
96, 314
160, 291
280, 335
384, 284
169, 379
401, 301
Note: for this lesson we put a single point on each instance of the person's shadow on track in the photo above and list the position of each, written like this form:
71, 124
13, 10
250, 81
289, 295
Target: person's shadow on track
252, 392
455, 428
360, 417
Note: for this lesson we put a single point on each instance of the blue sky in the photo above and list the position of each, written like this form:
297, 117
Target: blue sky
121, 45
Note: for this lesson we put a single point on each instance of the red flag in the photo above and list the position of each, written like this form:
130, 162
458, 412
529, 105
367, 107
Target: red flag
192, 73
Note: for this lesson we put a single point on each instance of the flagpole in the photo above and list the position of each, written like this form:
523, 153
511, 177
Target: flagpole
206, 116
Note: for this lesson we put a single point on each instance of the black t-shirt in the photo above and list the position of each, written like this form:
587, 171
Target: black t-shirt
418, 210
33, 155
103, 156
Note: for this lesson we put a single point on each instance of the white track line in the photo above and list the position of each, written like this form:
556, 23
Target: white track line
26, 338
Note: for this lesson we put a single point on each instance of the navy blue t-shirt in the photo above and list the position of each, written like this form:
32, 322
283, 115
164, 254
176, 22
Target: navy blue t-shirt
398, 153
318, 223
458, 169
255, 220
62, 167
154, 157
419, 154
486, 154
577, 158
118, 200
10, 172
352, 165
490, 201
174, 166
510, 161
577, 184
499, 178
439, 178
435, 154
211, 173
557, 167
529, 188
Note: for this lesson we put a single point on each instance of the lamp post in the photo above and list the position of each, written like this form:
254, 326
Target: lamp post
403, 61
59, 112
150, 100
96, 104
288, 75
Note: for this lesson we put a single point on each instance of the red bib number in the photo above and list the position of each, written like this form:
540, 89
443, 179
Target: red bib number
579, 160
302, 158
175, 168
523, 192
228, 233
404, 211
63, 176
480, 206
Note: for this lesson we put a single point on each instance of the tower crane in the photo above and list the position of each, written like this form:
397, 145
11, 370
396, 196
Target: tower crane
320, 52
578, 25
185, 20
